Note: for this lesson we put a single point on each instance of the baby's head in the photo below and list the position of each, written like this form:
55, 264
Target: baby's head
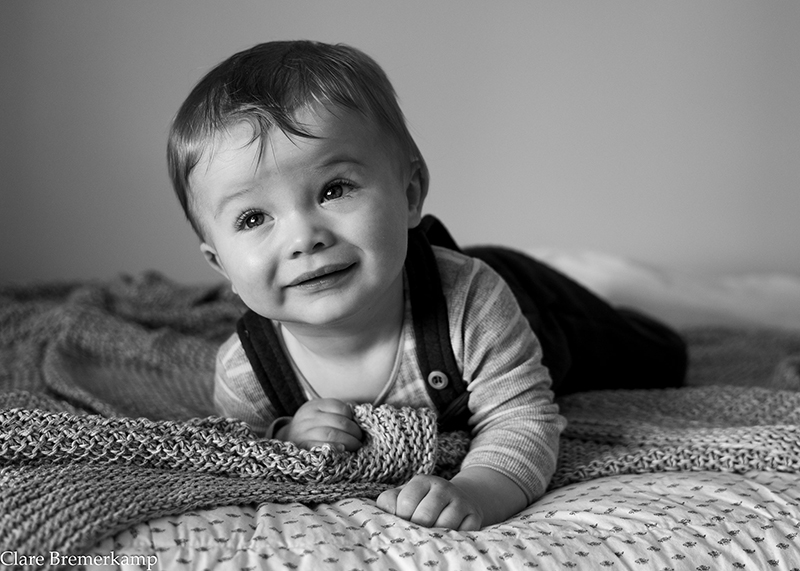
294, 165
266, 86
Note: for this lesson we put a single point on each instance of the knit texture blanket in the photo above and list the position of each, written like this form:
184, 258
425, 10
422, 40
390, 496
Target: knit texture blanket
105, 417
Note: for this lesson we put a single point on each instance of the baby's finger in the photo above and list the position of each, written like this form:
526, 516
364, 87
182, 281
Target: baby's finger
387, 501
473, 522
334, 406
410, 497
431, 508
326, 427
336, 414
309, 444
344, 425
330, 435
459, 516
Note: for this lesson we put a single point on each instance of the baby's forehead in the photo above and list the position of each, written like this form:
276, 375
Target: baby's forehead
338, 126
318, 136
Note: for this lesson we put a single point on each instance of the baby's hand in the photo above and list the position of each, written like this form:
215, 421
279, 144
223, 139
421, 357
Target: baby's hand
432, 502
323, 421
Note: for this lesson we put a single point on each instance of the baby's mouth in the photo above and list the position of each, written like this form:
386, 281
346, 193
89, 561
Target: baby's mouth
320, 276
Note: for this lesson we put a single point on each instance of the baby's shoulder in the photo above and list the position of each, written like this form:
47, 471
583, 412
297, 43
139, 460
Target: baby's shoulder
460, 273
231, 353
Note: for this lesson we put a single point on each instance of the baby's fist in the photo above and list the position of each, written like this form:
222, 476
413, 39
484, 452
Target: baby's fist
431, 501
323, 421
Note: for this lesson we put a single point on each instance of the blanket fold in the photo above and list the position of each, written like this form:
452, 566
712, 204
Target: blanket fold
715, 428
69, 480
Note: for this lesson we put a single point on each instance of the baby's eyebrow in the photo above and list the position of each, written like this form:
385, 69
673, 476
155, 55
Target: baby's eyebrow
229, 198
336, 160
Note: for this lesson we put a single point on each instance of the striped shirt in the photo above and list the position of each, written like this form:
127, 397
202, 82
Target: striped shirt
514, 423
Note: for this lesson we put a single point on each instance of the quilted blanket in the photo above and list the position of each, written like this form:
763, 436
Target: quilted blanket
105, 418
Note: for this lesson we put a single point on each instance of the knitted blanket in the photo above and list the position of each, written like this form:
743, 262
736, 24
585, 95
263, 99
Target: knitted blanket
105, 419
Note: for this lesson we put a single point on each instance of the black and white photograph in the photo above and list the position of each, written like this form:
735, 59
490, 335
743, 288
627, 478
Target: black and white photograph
420, 285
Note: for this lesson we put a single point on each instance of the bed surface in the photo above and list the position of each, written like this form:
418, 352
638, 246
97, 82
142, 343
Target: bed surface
681, 520
706, 478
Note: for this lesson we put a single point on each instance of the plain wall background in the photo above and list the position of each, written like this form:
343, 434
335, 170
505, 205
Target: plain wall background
668, 132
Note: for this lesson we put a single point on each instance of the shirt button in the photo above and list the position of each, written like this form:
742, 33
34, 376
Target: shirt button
438, 380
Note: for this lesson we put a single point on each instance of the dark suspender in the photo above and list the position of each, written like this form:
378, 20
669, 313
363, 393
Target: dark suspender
435, 356
434, 350
271, 366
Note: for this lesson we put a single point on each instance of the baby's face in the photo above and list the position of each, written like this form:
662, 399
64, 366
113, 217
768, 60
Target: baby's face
311, 231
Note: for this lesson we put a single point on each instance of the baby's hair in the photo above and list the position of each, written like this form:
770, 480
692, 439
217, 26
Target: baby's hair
266, 86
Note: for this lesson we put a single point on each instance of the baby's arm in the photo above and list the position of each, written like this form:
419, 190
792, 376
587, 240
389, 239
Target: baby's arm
515, 425
475, 497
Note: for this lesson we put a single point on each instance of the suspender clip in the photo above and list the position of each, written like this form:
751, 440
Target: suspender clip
438, 380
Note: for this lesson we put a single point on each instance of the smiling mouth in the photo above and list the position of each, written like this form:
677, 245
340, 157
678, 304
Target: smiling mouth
326, 275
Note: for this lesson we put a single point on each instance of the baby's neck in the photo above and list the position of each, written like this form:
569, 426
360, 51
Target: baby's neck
350, 362
339, 345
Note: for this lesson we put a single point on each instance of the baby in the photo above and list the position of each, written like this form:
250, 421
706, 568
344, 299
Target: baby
294, 165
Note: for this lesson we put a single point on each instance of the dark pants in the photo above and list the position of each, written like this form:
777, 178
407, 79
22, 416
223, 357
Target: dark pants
587, 343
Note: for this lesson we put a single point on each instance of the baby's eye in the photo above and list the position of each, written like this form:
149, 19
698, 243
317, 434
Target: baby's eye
250, 220
335, 190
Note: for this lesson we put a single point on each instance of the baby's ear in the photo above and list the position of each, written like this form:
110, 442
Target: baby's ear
213, 260
416, 191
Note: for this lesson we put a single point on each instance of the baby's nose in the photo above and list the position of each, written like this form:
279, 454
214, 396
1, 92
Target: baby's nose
308, 234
